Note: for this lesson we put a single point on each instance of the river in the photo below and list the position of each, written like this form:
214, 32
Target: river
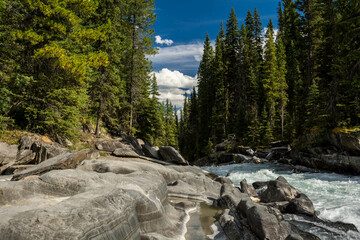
335, 196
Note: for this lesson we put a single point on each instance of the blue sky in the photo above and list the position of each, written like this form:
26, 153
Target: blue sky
180, 30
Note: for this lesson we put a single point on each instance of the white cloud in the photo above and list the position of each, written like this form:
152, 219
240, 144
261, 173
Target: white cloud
173, 85
179, 54
158, 40
167, 78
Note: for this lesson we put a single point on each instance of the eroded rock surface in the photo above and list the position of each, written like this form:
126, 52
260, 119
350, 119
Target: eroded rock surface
106, 198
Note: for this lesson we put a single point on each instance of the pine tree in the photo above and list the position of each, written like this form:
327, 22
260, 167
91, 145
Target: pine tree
219, 114
281, 78
232, 77
270, 74
206, 92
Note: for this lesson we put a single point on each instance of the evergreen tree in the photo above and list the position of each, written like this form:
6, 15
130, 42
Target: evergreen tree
232, 77
270, 76
281, 78
206, 92
219, 115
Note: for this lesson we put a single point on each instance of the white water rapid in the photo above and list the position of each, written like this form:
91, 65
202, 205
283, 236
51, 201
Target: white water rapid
335, 196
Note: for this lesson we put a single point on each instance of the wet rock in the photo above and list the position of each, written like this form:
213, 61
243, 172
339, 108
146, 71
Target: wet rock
170, 154
301, 204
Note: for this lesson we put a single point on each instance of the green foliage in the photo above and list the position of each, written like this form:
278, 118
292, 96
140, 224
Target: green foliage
65, 62
306, 78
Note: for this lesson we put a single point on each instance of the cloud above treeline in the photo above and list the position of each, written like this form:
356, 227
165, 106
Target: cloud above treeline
159, 40
173, 85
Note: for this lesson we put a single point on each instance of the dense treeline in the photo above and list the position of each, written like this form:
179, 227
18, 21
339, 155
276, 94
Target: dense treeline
69, 64
303, 77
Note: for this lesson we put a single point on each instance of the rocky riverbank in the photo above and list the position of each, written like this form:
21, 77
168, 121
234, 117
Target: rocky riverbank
330, 151
116, 192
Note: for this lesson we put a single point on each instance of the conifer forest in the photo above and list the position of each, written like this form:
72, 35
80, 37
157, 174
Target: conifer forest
302, 76
69, 65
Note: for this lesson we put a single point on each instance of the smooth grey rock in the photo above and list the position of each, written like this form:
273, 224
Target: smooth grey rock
125, 152
150, 151
183, 181
7, 153
75, 204
170, 154
64, 161
108, 145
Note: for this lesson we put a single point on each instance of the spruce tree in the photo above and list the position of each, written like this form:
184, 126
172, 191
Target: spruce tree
270, 76
232, 77
206, 92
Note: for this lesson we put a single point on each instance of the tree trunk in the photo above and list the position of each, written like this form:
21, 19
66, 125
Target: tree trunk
98, 121
132, 77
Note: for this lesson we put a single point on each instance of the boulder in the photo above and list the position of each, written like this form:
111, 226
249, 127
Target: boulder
150, 151
243, 206
43, 148
321, 159
7, 153
240, 158
63, 161
230, 227
170, 154
266, 225
301, 204
108, 145
260, 184
135, 143
125, 152
248, 189
245, 150
230, 197
279, 190
223, 180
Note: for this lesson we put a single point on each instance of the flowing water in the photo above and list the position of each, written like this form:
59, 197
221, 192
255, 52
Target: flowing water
335, 196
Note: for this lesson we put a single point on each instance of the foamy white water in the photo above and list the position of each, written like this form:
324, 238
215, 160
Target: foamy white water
335, 196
